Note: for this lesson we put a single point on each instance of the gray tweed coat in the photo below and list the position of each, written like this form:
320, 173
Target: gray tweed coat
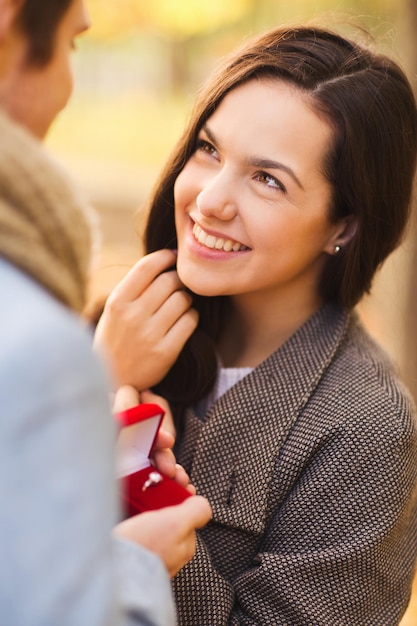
310, 465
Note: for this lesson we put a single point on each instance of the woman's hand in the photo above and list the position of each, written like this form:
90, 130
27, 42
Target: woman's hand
167, 422
146, 321
168, 532
162, 456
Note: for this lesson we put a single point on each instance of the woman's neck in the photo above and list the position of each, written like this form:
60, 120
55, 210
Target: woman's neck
255, 330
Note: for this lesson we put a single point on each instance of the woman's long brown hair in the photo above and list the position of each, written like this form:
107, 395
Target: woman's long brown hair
368, 100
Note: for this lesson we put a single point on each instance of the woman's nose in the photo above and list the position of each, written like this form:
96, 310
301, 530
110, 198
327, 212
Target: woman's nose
216, 199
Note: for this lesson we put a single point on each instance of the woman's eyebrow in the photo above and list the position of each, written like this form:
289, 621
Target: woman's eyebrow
258, 162
210, 134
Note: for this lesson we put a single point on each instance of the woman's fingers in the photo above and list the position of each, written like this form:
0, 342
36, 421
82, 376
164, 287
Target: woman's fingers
143, 273
145, 323
125, 397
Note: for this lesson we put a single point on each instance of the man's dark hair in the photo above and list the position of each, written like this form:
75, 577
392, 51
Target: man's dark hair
39, 21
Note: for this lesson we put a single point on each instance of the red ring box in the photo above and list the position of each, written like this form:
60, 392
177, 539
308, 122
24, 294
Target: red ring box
139, 426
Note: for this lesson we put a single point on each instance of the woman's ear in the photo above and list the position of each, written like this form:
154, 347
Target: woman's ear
345, 230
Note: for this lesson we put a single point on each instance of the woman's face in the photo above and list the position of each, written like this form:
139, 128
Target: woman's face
252, 202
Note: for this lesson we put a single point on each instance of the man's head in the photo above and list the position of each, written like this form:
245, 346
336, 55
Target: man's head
36, 41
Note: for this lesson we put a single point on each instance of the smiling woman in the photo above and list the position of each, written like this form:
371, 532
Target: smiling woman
288, 189
260, 124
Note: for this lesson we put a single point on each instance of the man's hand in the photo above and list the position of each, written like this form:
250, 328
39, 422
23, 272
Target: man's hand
168, 532
146, 321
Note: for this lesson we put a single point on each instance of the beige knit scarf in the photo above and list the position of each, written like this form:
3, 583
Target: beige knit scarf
44, 226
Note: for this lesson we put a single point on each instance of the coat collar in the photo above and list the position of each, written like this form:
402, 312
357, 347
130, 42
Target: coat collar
236, 451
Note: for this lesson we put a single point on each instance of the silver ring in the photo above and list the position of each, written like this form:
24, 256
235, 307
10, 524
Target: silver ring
153, 479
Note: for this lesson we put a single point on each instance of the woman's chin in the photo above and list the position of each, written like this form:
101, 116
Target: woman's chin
201, 290
197, 285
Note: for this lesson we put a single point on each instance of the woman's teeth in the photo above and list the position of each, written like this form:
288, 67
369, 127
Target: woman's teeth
217, 243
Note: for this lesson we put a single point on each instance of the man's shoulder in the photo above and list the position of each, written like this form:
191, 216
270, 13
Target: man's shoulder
47, 363
39, 335
29, 312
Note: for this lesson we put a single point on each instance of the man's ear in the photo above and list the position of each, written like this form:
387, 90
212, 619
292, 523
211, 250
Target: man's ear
345, 231
9, 10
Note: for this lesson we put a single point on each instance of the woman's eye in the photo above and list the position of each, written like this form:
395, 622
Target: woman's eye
205, 146
269, 181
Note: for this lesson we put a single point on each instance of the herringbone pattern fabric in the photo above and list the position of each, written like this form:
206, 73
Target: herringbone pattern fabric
310, 465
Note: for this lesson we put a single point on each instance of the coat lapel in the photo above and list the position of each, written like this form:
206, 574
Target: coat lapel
235, 454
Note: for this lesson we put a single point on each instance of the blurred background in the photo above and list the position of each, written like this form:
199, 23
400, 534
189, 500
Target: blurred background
136, 73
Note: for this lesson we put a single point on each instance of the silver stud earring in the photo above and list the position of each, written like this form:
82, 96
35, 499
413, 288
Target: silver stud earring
337, 249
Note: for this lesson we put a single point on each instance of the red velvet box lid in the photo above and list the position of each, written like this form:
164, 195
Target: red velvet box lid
142, 487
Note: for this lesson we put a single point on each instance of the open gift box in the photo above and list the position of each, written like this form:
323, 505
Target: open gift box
142, 486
